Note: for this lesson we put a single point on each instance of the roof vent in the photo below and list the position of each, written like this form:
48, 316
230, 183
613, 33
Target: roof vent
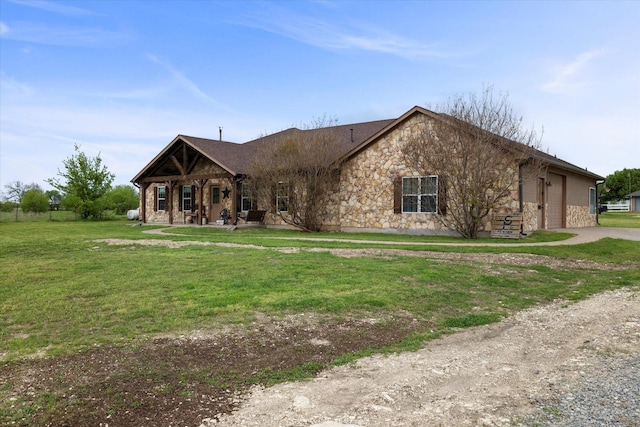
220, 130
352, 135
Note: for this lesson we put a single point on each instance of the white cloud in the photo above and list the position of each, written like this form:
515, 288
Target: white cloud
345, 36
12, 88
186, 83
53, 7
62, 36
568, 76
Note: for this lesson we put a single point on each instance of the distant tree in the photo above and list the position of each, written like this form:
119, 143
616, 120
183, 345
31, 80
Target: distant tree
7, 206
474, 150
55, 199
16, 190
619, 184
295, 173
34, 200
122, 198
85, 181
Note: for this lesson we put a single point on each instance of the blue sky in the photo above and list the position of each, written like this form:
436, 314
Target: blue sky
123, 78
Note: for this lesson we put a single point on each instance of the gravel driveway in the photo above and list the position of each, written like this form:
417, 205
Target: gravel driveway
554, 365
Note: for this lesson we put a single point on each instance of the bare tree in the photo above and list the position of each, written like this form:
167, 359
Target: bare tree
295, 171
477, 147
16, 190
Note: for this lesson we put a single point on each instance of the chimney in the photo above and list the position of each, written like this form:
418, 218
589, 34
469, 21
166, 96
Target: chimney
220, 130
352, 135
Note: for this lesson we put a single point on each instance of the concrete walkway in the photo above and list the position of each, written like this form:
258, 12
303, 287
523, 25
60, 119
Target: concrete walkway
582, 235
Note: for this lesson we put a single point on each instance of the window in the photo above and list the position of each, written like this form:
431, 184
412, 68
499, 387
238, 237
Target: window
592, 201
282, 197
162, 198
186, 198
246, 198
215, 195
420, 194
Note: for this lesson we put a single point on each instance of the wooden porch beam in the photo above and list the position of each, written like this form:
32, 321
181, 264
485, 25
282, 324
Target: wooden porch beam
177, 164
193, 163
185, 177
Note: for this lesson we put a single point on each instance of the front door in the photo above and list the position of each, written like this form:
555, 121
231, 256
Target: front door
215, 206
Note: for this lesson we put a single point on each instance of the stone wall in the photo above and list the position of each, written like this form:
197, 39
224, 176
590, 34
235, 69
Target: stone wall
151, 214
579, 216
367, 187
530, 216
328, 211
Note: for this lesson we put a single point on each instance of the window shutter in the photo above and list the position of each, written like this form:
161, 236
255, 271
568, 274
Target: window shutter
442, 196
155, 199
166, 198
180, 198
274, 199
397, 195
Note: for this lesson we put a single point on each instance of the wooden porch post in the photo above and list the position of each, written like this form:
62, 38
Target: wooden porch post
234, 199
170, 201
200, 185
143, 202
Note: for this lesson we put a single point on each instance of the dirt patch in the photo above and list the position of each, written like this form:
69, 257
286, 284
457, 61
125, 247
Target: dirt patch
179, 381
519, 259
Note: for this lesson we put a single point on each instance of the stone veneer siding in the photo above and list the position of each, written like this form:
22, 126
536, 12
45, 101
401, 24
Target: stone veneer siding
530, 216
579, 216
367, 188
367, 185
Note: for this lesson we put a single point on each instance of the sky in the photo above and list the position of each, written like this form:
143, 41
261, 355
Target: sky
122, 78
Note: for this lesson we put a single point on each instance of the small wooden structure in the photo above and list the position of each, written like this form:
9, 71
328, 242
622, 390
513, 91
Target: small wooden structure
507, 226
252, 216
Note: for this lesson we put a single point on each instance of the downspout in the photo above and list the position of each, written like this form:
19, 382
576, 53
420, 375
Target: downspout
598, 182
142, 199
520, 197
520, 189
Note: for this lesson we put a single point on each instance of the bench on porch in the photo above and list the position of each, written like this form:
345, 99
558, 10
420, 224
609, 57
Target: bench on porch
252, 216
193, 215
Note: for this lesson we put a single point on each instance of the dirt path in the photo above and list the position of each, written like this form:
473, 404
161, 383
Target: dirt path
481, 376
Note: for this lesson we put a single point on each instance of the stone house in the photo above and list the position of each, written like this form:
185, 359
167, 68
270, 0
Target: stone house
204, 180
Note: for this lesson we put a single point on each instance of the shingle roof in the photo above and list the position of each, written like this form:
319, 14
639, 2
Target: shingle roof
236, 158
229, 155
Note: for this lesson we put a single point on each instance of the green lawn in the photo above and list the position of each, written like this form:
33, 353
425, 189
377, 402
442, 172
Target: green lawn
620, 219
61, 292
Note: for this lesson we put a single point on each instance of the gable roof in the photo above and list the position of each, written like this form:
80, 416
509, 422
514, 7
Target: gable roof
353, 138
538, 154
227, 155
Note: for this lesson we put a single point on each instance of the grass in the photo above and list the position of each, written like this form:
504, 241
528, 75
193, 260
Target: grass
61, 292
620, 219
